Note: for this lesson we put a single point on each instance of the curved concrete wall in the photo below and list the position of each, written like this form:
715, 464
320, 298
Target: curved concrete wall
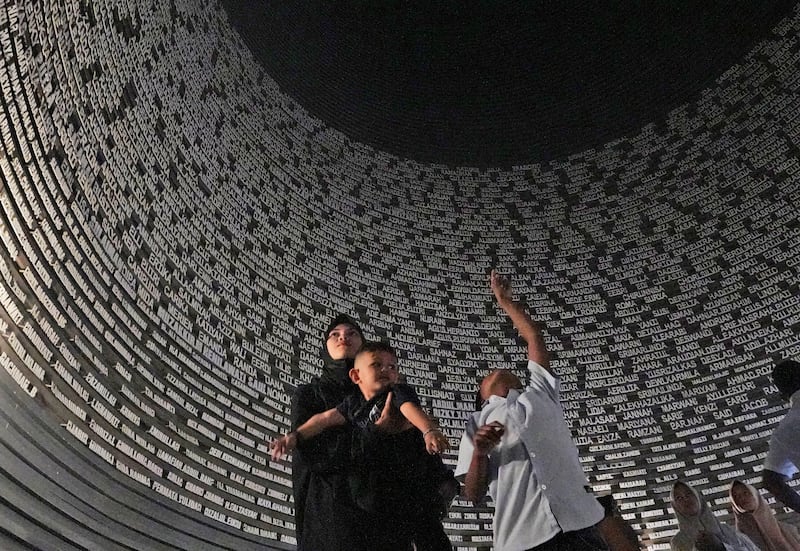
178, 231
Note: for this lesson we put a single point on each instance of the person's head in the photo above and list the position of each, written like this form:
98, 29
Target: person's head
685, 500
696, 521
743, 498
786, 376
375, 368
343, 338
498, 383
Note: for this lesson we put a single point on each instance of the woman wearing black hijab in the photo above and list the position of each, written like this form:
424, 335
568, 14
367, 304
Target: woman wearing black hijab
326, 518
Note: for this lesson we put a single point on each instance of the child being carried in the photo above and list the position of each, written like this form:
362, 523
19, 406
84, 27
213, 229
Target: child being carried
396, 478
375, 372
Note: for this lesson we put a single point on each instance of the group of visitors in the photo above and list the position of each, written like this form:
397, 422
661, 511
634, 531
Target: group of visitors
367, 474
755, 527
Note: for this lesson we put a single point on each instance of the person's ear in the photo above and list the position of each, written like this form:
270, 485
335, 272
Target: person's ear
354, 375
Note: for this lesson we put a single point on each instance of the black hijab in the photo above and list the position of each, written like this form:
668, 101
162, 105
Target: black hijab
326, 518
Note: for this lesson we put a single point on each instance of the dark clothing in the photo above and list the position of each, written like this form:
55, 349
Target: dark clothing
397, 481
328, 475
361, 412
326, 518
587, 539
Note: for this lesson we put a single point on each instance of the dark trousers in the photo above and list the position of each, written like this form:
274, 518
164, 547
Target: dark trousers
397, 532
587, 539
429, 534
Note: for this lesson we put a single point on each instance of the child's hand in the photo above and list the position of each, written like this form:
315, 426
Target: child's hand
501, 287
436, 441
487, 437
389, 422
283, 445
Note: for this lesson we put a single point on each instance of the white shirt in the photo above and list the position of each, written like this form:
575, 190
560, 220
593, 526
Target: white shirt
535, 478
784, 444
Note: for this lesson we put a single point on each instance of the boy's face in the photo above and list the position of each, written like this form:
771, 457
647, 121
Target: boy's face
374, 372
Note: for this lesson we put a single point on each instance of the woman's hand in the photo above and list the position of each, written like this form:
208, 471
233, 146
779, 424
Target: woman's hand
436, 441
283, 445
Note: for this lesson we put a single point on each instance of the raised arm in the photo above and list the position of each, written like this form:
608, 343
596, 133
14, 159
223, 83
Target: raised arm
315, 425
435, 440
529, 330
777, 484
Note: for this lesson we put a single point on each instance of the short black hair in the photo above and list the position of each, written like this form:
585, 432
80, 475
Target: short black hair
786, 376
377, 346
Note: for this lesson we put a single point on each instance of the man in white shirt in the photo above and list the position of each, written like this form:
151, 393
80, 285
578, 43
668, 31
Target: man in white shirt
783, 459
519, 448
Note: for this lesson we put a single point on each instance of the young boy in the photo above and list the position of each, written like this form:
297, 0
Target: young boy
375, 373
399, 486
520, 450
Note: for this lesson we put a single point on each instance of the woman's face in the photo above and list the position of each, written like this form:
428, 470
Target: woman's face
684, 501
343, 342
742, 496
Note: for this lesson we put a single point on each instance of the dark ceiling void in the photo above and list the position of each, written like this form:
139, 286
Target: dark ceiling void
496, 83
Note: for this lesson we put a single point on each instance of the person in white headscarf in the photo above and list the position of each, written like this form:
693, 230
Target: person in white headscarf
756, 520
699, 529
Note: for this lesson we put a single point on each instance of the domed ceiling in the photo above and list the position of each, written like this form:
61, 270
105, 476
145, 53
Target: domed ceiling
179, 232
496, 83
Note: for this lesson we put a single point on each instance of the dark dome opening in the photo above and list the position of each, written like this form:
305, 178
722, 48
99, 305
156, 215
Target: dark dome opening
496, 84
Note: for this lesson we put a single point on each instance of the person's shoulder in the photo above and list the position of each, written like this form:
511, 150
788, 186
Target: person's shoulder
792, 415
353, 399
307, 391
310, 386
790, 424
405, 393
535, 368
404, 387
541, 376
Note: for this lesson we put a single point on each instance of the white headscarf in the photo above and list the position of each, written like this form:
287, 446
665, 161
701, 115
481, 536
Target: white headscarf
761, 526
690, 527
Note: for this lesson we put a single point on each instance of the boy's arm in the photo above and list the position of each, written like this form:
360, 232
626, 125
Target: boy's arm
389, 422
435, 440
319, 422
315, 425
476, 481
529, 330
